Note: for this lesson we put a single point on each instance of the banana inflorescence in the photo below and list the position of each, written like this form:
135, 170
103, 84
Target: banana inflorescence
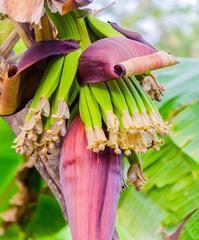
118, 114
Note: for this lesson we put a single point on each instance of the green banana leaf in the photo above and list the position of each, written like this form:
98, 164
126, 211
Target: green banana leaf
6, 28
173, 173
191, 229
9, 163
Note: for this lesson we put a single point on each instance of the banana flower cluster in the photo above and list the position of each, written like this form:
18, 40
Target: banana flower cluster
111, 63
97, 92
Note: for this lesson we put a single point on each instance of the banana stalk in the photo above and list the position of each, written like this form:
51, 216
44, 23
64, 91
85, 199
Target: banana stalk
112, 123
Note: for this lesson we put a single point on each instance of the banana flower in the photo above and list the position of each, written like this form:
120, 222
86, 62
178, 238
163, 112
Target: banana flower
117, 57
16, 79
91, 184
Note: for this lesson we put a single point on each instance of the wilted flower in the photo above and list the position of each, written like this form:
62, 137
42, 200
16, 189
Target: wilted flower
32, 10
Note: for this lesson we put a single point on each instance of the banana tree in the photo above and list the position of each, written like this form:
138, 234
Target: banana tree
89, 93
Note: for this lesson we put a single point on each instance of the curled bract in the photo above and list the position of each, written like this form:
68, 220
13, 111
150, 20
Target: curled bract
44, 49
131, 35
116, 57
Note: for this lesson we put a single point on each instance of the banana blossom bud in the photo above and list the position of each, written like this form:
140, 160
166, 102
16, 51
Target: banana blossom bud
91, 184
117, 57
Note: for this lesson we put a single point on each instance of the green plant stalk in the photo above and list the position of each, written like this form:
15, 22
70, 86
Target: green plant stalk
6, 27
132, 106
99, 90
144, 118
73, 92
67, 77
99, 136
148, 102
101, 29
48, 84
120, 103
86, 118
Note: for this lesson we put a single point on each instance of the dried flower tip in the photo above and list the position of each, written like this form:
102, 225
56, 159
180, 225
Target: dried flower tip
46, 109
146, 120
127, 121
51, 146
99, 136
117, 151
158, 123
136, 177
141, 65
101, 147
29, 143
66, 6
62, 110
137, 142
154, 140
127, 152
63, 130
47, 136
38, 126
112, 141
154, 89
56, 139
139, 122
20, 150
43, 151
20, 139
156, 148
28, 125
43, 108
32, 136
112, 121
90, 138
28, 151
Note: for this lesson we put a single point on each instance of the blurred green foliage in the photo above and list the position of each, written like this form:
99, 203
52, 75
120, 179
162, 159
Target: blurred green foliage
169, 25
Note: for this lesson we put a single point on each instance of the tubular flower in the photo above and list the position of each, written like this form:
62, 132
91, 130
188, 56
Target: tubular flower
115, 61
32, 10
15, 77
27, 141
91, 184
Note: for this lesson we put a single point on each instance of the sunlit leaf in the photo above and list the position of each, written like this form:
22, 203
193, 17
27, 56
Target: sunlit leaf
9, 163
172, 191
191, 229
47, 218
